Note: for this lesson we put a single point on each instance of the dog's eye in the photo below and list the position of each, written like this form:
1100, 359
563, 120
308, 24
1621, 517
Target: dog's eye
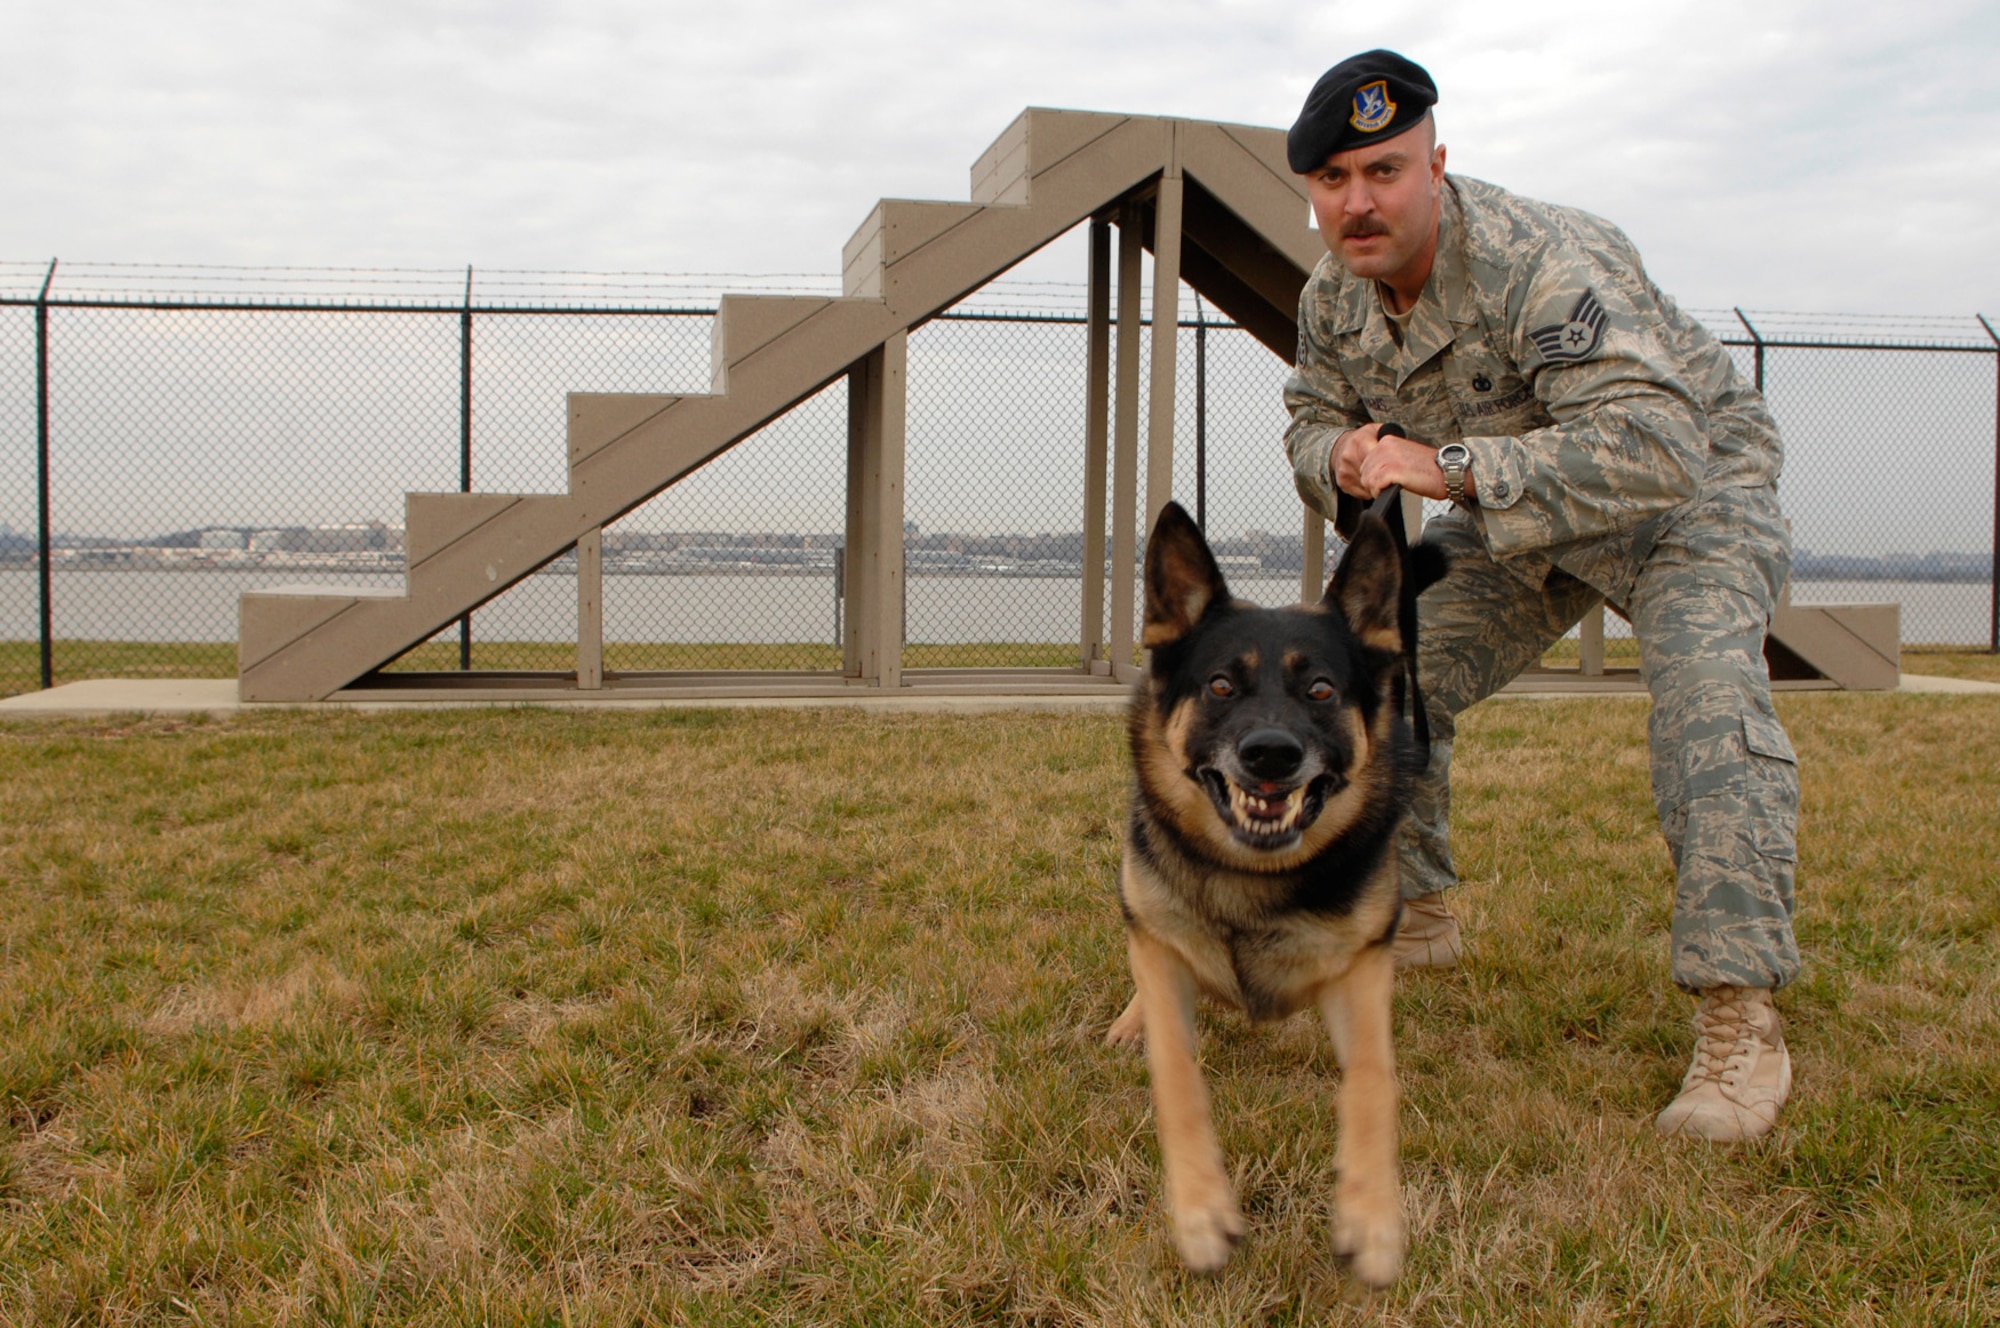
1220, 685
1321, 690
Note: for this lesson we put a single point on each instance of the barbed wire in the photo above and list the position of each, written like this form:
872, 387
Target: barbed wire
446, 290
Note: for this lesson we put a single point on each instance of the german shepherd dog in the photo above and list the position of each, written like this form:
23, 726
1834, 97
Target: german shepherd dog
1271, 767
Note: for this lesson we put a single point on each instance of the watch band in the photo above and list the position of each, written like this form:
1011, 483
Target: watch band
1455, 459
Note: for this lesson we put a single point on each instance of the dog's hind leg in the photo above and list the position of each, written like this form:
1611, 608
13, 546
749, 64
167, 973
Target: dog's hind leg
1128, 1028
1201, 1202
1368, 1203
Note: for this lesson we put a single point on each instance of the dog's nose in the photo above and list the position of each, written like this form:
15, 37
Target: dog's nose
1271, 754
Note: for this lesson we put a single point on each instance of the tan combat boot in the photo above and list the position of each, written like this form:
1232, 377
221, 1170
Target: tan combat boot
1427, 937
1741, 1073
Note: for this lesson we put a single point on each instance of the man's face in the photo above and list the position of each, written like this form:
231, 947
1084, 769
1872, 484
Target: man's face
1377, 206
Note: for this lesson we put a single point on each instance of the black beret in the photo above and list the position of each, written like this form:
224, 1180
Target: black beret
1364, 99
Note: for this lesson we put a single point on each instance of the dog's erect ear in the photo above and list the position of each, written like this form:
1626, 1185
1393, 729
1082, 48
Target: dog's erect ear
1367, 584
1182, 580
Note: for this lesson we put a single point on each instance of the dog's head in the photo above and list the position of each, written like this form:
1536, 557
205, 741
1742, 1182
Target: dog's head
1263, 734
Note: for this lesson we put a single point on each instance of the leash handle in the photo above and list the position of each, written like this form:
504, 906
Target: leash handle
1347, 509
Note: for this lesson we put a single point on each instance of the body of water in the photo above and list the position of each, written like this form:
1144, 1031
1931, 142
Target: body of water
201, 606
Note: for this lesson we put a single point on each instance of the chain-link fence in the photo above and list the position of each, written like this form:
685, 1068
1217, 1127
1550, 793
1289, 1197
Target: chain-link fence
217, 430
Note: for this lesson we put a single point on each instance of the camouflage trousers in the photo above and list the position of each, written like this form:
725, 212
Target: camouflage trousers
1725, 780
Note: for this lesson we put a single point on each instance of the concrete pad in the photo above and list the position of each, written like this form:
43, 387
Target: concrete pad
124, 696
217, 696
1916, 682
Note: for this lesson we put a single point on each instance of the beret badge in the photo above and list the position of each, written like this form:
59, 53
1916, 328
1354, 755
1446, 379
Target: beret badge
1372, 107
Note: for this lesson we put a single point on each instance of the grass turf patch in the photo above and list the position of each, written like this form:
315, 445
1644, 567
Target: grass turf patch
751, 1017
20, 666
1952, 662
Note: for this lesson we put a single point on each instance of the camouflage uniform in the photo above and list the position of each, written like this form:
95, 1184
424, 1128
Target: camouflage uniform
1617, 456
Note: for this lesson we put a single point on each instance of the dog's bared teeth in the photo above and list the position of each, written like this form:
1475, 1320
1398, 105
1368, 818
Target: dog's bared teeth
1265, 814
1295, 802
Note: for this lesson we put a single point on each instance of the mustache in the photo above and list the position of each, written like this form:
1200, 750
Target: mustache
1359, 226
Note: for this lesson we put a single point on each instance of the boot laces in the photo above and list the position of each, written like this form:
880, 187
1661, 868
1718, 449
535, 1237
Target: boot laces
1725, 1038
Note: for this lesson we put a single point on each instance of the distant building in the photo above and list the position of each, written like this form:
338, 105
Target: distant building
221, 539
343, 537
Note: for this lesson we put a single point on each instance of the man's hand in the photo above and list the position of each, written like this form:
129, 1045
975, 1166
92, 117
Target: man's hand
1365, 463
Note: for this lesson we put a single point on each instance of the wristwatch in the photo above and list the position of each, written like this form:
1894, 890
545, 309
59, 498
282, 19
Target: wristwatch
1455, 459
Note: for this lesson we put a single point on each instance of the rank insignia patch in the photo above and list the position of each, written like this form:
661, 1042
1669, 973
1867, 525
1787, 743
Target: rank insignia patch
1372, 107
1576, 339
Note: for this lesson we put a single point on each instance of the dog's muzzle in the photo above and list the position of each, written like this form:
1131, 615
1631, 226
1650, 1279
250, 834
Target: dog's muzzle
1268, 815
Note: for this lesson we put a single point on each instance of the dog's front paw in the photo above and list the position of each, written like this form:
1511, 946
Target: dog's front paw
1128, 1029
1368, 1235
1207, 1225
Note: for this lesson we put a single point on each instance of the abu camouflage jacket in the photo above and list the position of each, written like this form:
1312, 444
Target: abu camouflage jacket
1594, 409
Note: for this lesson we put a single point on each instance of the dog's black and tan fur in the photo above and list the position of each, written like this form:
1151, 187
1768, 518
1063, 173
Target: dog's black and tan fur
1271, 768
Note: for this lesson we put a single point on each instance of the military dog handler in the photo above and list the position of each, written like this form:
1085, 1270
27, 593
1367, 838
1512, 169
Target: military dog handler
1597, 445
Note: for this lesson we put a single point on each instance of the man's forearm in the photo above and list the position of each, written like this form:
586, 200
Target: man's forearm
1311, 448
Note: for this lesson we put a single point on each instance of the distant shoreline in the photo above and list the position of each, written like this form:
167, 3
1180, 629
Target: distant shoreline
653, 565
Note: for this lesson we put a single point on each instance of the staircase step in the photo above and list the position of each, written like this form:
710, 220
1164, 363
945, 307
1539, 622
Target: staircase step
597, 419
1858, 646
274, 617
433, 520
490, 540
745, 324
1038, 139
897, 228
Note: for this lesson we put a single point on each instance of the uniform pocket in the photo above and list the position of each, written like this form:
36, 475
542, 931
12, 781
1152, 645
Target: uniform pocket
1774, 782
1765, 736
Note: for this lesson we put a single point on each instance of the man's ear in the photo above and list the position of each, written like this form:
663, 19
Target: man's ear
1367, 584
1182, 580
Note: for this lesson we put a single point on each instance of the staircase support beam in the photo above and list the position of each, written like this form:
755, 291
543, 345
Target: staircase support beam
590, 610
876, 412
1590, 644
1166, 338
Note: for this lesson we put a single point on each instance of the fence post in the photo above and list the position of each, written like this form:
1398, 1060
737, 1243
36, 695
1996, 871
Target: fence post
1096, 443
1993, 590
1756, 340
839, 596
1125, 446
1200, 417
465, 441
42, 479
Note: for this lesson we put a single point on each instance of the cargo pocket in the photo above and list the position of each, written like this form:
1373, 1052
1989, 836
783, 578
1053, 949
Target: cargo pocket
1774, 785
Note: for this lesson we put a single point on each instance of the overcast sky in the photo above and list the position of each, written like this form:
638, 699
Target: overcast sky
1834, 156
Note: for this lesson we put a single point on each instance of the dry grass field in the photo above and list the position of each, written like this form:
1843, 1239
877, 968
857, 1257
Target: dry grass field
520, 1017
20, 661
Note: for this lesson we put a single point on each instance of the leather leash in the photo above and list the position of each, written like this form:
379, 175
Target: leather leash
1417, 574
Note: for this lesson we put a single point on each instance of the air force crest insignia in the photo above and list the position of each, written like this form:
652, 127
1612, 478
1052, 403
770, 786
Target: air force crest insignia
1372, 107
1575, 340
